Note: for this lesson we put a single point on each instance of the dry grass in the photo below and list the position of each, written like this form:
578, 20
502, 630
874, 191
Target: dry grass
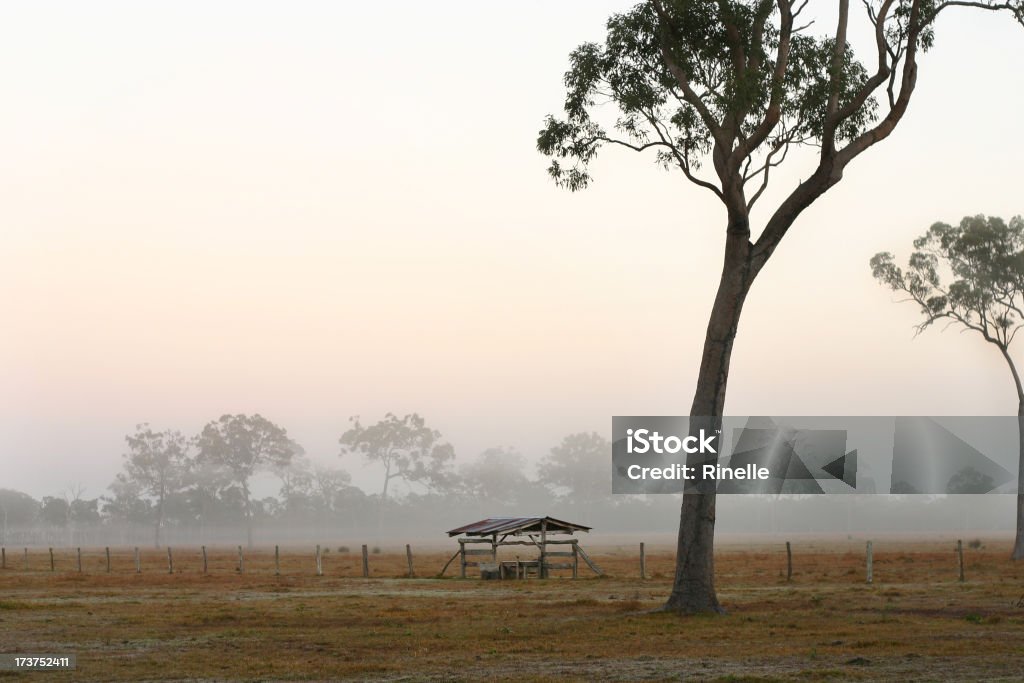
915, 623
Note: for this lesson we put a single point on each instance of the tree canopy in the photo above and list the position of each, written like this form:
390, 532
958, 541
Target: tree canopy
970, 274
406, 447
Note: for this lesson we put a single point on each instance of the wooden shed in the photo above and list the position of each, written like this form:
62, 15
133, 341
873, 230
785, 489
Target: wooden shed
531, 532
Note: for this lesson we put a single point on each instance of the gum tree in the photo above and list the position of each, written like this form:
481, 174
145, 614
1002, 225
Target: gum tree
723, 91
407, 449
155, 465
240, 446
982, 260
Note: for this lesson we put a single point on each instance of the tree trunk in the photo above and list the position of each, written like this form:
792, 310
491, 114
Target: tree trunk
1018, 544
694, 587
248, 516
159, 518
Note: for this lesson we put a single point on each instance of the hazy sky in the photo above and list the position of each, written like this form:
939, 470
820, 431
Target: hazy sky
314, 210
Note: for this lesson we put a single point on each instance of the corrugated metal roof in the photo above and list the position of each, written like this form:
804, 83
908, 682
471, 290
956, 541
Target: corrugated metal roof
512, 525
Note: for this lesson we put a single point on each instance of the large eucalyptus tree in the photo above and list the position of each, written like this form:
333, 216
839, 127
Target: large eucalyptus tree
739, 83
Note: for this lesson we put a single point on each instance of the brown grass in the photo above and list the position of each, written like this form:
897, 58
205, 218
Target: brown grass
915, 622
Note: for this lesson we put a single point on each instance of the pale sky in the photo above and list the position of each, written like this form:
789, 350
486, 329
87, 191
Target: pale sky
314, 210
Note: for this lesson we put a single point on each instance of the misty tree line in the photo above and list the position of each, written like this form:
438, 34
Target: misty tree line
181, 489
202, 483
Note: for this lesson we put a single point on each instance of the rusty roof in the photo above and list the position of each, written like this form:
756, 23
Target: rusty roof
516, 525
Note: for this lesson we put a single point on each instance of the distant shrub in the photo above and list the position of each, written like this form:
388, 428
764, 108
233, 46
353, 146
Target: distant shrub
976, 544
342, 548
376, 550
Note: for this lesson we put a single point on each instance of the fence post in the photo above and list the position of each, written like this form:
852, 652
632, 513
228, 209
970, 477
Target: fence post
26, 559
277, 560
871, 577
79, 560
3, 558
170, 561
319, 564
51, 560
204, 559
108, 559
241, 561
138, 563
960, 555
408, 559
366, 564
643, 562
789, 562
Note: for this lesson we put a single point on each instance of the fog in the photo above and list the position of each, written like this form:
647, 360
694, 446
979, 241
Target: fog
335, 209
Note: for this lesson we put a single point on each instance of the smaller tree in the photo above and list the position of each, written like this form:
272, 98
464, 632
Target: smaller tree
240, 446
155, 465
406, 448
982, 259
16, 508
578, 469
498, 477
55, 512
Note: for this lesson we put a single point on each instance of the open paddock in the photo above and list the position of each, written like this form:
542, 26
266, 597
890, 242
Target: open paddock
916, 621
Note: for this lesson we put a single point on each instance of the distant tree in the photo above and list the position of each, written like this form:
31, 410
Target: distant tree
579, 469
970, 480
972, 276
55, 511
240, 446
296, 488
406, 448
16, 508
330, 487
126, 503
156, 466
309, 490
734, 86
84, 511
200, 502
497, 477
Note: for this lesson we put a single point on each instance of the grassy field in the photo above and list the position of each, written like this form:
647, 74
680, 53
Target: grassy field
916, 622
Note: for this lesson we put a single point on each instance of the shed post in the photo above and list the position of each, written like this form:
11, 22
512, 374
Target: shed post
544, 549
462, 558
575, 559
